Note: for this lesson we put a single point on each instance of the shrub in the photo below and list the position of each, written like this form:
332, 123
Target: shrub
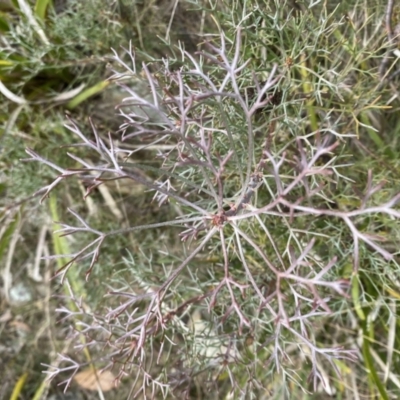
262, 228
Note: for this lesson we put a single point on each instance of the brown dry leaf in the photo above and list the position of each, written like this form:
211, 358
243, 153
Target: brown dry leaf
20, 326
91, 379
6, 316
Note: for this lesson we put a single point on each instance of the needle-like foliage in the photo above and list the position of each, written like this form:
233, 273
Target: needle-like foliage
264, 249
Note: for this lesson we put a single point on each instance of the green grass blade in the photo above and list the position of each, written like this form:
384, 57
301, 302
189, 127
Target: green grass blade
4, 27
61, 247
355, 294
5, 239
86, 94
41, 8
18, 387
369, 363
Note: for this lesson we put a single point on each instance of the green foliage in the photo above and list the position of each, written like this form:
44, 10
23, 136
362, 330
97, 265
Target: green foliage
254, 147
